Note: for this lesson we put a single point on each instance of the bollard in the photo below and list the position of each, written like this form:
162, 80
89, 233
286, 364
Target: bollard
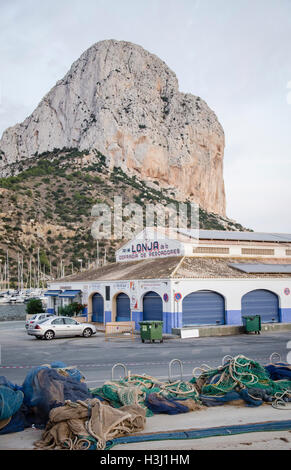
275, 354
119, 364
170, 368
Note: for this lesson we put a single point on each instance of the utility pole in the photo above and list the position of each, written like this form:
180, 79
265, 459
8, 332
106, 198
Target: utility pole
38, 268
30, 273
7, 272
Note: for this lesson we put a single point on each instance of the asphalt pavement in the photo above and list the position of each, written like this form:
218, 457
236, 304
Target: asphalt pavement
94, 356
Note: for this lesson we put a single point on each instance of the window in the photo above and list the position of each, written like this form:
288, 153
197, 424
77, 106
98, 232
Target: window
210, 249
43, 320
70, 321
257, 251
58, 321
288, 252
107, 292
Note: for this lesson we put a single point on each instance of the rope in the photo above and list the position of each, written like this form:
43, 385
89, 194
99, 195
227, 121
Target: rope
165, 387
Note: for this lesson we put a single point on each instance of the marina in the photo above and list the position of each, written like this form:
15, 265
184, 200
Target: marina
13, 303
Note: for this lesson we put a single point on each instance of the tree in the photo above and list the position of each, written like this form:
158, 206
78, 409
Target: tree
34, 306
71, 310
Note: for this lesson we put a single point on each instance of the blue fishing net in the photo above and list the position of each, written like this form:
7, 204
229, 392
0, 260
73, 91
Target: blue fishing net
7, 383
159, 404
10, 401
279, 371
249, 396
17, 423
45, 388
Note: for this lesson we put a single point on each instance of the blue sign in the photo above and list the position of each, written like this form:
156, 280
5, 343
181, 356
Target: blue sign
166, 297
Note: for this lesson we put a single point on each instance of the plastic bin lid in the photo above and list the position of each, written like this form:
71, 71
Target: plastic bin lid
251, 316
149, 322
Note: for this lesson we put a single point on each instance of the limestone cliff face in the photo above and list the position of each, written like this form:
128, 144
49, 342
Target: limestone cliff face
125, 102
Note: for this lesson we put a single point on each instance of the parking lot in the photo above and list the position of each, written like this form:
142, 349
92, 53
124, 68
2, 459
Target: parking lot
94, 356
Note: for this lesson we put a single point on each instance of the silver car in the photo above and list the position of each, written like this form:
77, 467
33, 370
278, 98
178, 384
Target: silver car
59, 327
38, 317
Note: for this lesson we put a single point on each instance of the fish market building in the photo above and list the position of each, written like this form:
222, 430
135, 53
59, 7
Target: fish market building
184, 280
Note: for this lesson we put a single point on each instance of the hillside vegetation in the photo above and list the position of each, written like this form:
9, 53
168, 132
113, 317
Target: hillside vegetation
45, 212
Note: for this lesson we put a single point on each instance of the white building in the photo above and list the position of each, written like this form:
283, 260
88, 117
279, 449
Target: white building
185, 280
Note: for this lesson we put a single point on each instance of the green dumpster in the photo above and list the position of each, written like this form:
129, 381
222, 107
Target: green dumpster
252, 324
151, 330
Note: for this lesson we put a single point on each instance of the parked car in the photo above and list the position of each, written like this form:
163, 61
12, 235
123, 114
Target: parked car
56, 327
38, 317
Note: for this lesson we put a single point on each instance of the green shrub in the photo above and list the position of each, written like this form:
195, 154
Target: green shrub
34, 306
71, 310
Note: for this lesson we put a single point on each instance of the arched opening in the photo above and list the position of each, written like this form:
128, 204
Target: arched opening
203, 307
261, 302
97, 308
152, 307
122, 307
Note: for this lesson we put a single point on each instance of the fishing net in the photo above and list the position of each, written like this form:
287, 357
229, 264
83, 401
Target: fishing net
241, 373
10, 402
135, 389
46, 388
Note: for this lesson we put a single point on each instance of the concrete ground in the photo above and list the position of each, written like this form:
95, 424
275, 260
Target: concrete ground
94, 357
205, 418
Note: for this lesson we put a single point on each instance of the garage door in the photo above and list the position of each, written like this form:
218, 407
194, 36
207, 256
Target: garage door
261, 302
152, 307
98, 308
122, 307
203, 308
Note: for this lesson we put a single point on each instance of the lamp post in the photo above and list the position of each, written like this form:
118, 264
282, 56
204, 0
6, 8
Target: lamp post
81, 262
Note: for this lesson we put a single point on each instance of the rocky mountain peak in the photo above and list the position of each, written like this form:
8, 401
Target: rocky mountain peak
125, 102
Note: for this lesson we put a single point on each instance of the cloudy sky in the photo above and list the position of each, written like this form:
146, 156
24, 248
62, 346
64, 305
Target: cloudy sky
236, 55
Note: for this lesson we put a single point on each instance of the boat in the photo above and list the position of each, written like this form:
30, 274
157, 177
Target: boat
4, 298
16, 299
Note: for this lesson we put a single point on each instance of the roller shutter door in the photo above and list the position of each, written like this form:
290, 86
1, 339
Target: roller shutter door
152, 307
98, 308
122, 308
261, 302
203, 308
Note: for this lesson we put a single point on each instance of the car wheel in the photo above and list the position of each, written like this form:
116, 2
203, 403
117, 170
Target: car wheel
49, 335
87, 332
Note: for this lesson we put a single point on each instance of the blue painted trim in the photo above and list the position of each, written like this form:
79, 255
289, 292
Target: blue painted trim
137, 317
107, 316
171, 320
233, 317
285, 315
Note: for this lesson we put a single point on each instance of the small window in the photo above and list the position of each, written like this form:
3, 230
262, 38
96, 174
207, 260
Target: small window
107, 292
58, 321
257, 251
70, 321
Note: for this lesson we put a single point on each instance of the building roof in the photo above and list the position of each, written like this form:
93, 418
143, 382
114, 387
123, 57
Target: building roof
143, 269
200, 267
236, 235
262, 268
175, 267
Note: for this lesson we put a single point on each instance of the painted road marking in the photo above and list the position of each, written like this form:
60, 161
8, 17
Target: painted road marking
98, 365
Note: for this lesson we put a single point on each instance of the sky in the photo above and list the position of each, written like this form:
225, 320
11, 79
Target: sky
235, 55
